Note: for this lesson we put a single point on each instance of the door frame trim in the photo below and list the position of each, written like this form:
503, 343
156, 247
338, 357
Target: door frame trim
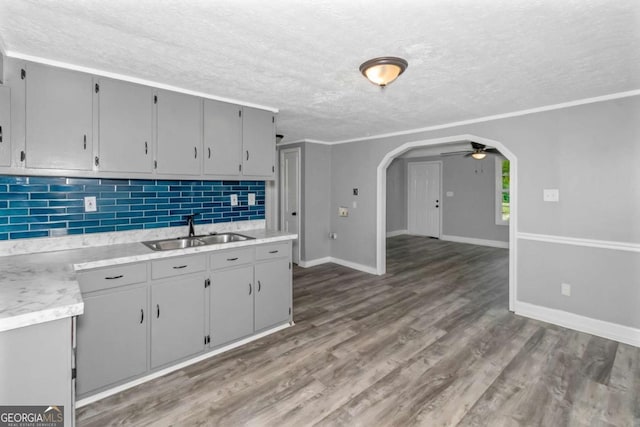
283, 152
438, 162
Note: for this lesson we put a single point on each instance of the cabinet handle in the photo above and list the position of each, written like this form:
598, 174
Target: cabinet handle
0, 133
23, 156
84, 143
247, 154
232, 259
273, 252
146, 147
158, 309
114, 277
250, 290
195, 152
141, 316
259, 285
208, 148
178, 267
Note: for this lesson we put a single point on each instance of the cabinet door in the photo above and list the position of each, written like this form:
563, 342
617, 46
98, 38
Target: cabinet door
58, 118
112, 338
273, 293
126, 114
177, 319
5, 126
231, 304
179, 134
222, 138
259, 143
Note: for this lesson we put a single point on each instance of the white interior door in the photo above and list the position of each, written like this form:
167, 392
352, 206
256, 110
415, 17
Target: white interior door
423, 202
290, 199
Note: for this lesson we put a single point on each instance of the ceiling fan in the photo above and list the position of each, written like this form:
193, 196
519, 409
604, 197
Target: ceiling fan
478, 152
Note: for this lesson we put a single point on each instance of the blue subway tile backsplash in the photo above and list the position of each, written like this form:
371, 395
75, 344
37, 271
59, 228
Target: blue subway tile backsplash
54, 206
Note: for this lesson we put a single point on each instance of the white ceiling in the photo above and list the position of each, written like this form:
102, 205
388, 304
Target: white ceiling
467, 58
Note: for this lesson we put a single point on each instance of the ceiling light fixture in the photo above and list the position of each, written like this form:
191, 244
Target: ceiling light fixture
382, 71
479, 154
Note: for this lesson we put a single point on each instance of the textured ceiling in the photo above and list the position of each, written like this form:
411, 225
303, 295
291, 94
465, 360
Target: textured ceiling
467, 58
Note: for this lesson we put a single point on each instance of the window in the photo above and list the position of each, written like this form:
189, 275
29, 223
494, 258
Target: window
503, 208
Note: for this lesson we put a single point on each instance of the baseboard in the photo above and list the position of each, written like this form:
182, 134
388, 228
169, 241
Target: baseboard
396, 233
474, 241
314, 262
354, 265
601, 328
342, 262
98, 396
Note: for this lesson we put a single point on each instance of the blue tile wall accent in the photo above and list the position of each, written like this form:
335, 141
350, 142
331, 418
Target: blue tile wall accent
54, 206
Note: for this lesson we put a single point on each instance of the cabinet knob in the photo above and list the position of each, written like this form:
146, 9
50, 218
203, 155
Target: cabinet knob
195, 152
158, 311
247, 154
209, 150
250, 289
259, 286
141, 316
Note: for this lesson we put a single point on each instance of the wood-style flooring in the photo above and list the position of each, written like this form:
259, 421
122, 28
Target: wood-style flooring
430, 343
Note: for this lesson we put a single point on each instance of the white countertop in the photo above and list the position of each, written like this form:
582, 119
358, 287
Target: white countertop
41, 287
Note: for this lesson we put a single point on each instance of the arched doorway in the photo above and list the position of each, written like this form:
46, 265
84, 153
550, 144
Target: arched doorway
381, 204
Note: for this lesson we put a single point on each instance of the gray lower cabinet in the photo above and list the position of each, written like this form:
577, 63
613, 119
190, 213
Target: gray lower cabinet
5, 126
231, 302
179, 143
125, 114
35, 367
59, 118
112, 337
177, 318
222, 139
273, 293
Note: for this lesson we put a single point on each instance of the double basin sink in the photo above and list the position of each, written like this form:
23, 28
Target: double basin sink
195, 241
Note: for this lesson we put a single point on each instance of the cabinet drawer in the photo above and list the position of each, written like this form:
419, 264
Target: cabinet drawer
111, 277
274, 250
231, 258
177, 266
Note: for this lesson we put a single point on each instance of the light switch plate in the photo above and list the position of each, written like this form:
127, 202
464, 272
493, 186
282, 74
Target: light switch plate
252, 199
551, 195
90, 204
234, 200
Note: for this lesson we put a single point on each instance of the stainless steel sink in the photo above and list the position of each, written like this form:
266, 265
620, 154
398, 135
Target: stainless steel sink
224, 238
191, 242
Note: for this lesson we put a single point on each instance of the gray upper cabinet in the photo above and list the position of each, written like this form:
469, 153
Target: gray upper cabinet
125, 126
177, 318
5, 126
59, 123
231, 304
273, 293
112, 338
222, 138
179, 147
259, 143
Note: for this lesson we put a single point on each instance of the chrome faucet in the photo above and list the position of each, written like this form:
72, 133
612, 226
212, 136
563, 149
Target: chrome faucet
192, 231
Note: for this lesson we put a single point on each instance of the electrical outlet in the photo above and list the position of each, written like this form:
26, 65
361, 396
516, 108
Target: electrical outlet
565, 289
252, 199
234, 200
90, 204
333, 236
551, 195
354, 204
343, 211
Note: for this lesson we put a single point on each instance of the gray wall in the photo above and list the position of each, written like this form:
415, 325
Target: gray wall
397, 196
317, 201
590, 152
471, 212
